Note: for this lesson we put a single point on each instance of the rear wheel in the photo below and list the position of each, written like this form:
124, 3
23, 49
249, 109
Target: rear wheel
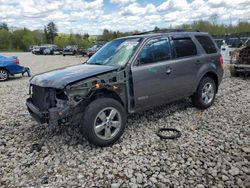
103, 122
4, 75
205, 93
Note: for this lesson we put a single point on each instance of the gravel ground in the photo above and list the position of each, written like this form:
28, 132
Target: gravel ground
213, 151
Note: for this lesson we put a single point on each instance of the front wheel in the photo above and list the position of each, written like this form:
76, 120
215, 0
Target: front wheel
205, 93
103, 122
4, 75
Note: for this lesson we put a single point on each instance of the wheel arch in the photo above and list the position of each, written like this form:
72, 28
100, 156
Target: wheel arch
212, 75
4, 68
8, 72
107, 93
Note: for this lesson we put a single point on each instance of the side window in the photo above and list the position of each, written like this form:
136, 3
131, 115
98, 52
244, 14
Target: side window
155, 50
207, 44
184, 47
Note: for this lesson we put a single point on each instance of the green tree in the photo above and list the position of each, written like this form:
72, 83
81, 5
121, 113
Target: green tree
156, 29
86, 36
22, 38
5, 38
50, 32
39, 37
4, 26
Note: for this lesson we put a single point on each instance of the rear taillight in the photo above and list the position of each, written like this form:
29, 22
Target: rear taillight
221, 61
16, 61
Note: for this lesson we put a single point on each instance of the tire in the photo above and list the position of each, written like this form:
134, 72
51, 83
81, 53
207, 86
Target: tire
4, 75
96, 126
205, 94
63, 54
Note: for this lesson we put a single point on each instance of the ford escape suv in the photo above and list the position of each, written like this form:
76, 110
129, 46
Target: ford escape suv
125, 76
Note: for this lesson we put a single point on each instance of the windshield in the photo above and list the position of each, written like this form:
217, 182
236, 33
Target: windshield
116, 52
234, 42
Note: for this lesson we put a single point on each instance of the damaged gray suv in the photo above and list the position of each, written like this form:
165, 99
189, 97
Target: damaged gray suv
125, 76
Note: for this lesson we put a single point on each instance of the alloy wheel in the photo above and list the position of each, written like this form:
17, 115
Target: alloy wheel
208, 93
107, 123
3, 75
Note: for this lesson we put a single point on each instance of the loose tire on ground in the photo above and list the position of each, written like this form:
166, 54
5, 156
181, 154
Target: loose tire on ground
205, 94
4, 75
97, 121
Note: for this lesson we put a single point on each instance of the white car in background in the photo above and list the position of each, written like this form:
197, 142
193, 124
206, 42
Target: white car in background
229, 45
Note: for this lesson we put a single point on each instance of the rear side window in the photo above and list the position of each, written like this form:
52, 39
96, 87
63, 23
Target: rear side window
184, 47
156, 50
207, 44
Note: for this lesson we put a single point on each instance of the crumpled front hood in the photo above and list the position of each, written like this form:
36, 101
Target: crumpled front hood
62, 77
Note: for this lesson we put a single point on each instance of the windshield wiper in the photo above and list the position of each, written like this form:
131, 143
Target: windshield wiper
96, 63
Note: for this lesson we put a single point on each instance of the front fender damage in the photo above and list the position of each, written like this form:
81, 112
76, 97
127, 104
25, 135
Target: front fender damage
76, 96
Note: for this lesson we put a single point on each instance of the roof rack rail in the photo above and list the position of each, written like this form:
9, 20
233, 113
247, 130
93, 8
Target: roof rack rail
167, 31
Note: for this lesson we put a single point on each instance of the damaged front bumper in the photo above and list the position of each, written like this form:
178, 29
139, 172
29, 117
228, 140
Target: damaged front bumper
51, 116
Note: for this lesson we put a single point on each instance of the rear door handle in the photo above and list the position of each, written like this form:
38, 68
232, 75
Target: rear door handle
168, 70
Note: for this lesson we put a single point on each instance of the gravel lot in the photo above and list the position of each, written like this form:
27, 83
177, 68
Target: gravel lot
213, 151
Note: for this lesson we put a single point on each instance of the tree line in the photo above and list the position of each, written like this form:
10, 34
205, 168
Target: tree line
21, 39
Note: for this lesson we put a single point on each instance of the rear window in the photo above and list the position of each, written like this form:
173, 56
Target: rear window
184, 47
233, 42
207, 44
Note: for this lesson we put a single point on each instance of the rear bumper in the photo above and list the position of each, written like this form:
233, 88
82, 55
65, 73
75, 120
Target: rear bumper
68, 53
241, 68
51, 116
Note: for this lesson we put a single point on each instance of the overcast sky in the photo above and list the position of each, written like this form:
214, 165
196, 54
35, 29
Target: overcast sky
81, 16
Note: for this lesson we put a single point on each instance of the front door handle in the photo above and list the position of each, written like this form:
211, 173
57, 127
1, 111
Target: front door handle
168, 70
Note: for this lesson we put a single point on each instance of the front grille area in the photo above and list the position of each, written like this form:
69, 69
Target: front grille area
43, 98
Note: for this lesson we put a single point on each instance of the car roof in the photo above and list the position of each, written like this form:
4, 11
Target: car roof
149, 35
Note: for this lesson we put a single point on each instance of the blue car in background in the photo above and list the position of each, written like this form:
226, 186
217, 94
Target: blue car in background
9, 66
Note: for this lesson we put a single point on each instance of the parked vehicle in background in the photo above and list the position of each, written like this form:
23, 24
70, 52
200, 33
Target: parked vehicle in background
91, 51
30, 48
240, 60
70, 50
33, 49
229, 44
58, 51
39, 50
82, 51
219, 42
52, 51
125, 76
9, 66
48, 51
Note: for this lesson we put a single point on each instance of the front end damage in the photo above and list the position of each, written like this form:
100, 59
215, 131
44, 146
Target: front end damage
65, 106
